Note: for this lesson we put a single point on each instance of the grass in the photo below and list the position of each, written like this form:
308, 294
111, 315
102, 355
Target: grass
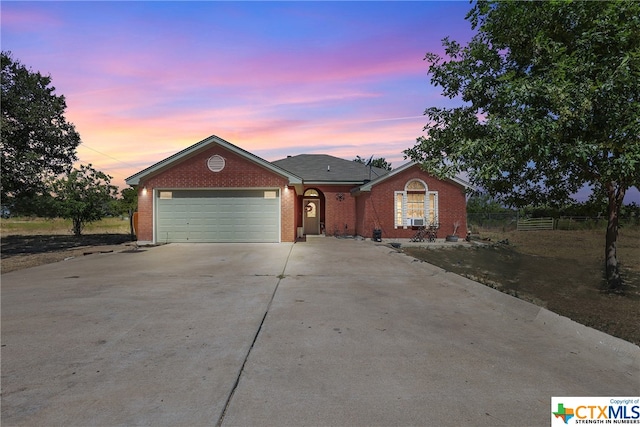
29, 242
562, 270
572, 244
28, 226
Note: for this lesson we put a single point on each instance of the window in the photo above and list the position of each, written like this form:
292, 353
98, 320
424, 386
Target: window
416, 205
310, 209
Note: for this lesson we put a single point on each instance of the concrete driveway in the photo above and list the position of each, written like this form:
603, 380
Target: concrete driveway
327, 332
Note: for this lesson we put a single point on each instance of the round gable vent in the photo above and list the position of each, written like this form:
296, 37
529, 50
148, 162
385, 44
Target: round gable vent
216, 163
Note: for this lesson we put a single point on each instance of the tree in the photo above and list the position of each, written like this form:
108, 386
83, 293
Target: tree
127, 202
37, 142
83, 196
550, 97
380, 162
484, 204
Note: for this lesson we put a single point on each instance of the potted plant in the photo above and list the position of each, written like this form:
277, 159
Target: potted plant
453, 237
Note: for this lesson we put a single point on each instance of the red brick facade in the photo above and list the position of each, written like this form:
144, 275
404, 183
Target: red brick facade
376, 209
193, 173
341, 211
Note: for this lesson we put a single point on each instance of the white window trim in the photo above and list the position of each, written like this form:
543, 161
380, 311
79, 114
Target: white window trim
405, 220
403, 209
435, 206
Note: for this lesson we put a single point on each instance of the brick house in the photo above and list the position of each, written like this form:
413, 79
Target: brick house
215, 191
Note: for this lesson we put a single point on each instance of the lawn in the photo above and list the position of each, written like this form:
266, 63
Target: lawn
560, 270
29, 242
40, 226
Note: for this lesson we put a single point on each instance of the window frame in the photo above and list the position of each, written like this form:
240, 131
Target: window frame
401, 218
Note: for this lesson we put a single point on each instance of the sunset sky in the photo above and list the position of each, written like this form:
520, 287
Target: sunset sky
144, 80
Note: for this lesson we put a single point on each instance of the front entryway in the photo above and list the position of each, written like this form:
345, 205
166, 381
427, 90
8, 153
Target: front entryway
311, 216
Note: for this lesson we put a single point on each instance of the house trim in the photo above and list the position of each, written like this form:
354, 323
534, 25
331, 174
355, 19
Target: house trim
367, 186
134, 180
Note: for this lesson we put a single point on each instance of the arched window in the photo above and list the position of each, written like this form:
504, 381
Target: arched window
416, 205
416, 185
311, 193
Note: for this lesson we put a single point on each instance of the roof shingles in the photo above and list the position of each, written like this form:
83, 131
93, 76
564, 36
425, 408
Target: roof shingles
324, 168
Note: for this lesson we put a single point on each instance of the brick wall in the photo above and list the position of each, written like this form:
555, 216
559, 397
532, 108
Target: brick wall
145, 215
289, 208
339, 209
194, 173
377, 208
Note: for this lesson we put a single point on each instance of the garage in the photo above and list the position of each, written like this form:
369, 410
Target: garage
215, 192
217, 216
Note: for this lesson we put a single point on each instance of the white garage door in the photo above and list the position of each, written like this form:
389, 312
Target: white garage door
218, 216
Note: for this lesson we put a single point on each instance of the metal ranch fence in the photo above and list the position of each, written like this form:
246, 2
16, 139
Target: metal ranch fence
511, 221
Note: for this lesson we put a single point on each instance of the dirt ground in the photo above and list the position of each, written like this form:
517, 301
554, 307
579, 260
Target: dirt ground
560, 270
20, 251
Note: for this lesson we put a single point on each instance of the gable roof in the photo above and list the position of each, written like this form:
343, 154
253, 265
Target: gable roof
367, 186
203, 145
322, 168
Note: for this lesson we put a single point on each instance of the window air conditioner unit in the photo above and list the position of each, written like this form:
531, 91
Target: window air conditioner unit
417, 222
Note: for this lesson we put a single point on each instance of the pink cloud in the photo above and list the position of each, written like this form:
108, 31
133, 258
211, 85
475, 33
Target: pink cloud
158, 66
140, 143
138, 95
28, 20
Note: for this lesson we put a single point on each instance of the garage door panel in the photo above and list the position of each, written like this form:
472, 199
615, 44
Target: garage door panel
218, 216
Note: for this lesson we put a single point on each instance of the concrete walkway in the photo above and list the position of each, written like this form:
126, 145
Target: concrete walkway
326, 332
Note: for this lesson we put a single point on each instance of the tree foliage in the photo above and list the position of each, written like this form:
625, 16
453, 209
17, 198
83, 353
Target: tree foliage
128, 201
37, 142
379, 162
83, 196
550, 97
483, 203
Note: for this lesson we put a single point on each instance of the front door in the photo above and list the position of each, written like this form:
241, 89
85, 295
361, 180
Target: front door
311, 216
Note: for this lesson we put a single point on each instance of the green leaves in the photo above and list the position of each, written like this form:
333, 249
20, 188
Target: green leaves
83, 196
379, 162
550, 95
37, 142
550, 99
